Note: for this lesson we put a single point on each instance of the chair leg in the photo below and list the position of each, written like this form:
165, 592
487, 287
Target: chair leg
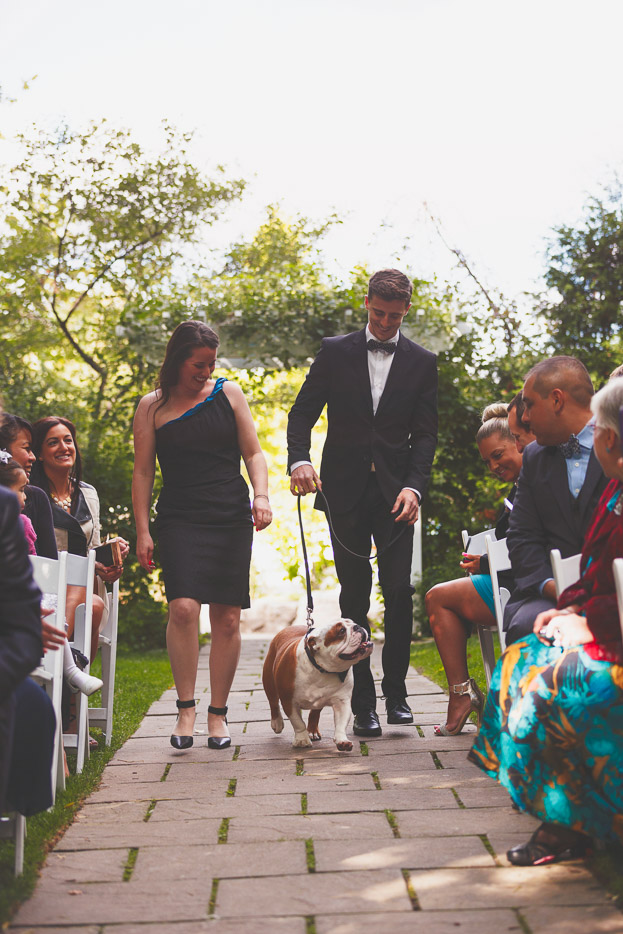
20, 835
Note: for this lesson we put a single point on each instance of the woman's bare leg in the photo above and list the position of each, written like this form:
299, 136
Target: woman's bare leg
224, 656
76, 596
453, 607
183, 648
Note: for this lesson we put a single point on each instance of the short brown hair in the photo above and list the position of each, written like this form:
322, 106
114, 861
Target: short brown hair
391, 284
567, 373
518, 404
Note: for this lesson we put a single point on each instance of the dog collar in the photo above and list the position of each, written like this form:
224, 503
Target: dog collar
341, 674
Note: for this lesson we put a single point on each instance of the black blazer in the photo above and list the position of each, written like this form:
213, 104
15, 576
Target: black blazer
400, 439
39, 511
546, 516
20, 620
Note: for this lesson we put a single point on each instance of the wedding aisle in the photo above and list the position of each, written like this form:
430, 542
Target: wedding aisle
260, 838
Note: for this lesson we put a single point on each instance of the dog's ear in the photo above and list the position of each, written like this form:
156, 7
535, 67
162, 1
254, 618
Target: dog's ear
311, 643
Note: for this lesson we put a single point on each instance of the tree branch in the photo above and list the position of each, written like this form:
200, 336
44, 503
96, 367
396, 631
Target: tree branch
107, 268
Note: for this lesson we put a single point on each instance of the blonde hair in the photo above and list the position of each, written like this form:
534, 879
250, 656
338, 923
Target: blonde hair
494, 422
606, 403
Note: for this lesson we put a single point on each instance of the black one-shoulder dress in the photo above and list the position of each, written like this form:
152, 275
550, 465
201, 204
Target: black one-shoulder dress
204, 525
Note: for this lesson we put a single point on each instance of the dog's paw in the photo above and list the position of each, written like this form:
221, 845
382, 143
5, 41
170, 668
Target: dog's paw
314, 735
301, 740
344, 745
277, 724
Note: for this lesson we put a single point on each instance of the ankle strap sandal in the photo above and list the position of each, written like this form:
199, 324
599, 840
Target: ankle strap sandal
219, 742
476, 705
182, 742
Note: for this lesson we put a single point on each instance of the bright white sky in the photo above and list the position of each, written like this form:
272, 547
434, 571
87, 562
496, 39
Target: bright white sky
502, 115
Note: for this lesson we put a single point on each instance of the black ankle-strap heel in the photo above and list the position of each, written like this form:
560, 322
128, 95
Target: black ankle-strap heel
219, 742
182, 742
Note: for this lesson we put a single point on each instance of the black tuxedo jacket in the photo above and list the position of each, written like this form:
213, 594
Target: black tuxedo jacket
546, 516
400, 439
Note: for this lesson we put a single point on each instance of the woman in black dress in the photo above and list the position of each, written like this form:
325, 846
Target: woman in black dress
199, 428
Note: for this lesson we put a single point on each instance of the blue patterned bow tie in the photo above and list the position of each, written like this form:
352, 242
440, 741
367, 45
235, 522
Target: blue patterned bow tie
376, 346
570, 448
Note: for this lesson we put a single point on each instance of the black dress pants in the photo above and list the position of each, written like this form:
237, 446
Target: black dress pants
372, 519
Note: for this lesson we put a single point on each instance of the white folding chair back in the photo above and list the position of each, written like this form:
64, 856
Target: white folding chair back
617, 570
102, 716
566, 571
499, 560
476, 544
50, 576
81, 573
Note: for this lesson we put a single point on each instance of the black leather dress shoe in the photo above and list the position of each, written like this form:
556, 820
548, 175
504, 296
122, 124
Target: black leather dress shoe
399, 712
367, 724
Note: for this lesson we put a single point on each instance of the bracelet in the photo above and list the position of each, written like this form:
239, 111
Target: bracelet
261, 496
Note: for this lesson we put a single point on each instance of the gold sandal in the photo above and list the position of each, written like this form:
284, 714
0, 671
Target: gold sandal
477, 703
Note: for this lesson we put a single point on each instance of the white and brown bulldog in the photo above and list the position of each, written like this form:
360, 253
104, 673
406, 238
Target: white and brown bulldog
311, 669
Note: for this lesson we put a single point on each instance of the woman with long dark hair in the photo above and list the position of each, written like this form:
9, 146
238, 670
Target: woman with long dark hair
198, 428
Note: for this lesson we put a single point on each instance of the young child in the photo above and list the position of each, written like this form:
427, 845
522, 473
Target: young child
13, 476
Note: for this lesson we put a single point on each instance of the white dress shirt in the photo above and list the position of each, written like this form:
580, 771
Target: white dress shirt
379, 365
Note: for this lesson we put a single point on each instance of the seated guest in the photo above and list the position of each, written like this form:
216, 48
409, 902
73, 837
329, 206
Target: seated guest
558, 488
20, 626
518, 428
14, 478
16, 439
75, 508
454, 607
553, 731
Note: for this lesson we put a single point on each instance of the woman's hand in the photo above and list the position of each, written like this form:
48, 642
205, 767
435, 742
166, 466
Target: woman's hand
573, 630
108, 574
145, 551
471, 563
51, 637
547, 615
262, 513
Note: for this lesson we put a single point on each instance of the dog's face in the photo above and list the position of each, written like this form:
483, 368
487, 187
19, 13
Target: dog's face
337, 646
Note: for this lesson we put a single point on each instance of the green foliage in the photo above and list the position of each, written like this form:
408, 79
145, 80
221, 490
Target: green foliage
274, 301
586, 272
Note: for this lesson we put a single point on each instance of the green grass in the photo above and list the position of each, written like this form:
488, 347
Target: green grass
141, 678
605, 864
425, 657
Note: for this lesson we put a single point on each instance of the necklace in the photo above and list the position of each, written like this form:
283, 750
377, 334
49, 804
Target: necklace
63, 502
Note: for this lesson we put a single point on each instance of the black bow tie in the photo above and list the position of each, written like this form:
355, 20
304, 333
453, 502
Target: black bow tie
570, 448
381, 346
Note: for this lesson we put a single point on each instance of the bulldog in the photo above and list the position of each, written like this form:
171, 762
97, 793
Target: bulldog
311, 669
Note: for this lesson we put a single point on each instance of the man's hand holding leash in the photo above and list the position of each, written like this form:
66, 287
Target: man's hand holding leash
304, 479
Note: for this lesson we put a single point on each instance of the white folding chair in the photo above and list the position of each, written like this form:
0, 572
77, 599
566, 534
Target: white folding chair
13, 827
499, 560
617, 570
566, 571
51, 577
102, 716
477, 545
81, 573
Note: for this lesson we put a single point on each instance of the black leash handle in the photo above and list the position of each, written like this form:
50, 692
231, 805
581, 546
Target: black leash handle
310, 599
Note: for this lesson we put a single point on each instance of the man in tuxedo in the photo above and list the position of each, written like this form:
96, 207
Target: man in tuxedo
558, 489
380, 390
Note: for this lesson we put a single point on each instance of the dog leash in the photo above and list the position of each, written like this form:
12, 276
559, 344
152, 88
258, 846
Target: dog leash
310, 599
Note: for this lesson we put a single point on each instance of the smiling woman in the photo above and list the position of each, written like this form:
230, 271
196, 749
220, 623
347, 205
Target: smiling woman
198, 428
455, 606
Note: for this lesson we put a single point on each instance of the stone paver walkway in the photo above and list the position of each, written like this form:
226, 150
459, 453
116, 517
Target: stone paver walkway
402, 834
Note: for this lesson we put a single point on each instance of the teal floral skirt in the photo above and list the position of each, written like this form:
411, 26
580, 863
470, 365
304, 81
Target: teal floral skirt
552, 735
